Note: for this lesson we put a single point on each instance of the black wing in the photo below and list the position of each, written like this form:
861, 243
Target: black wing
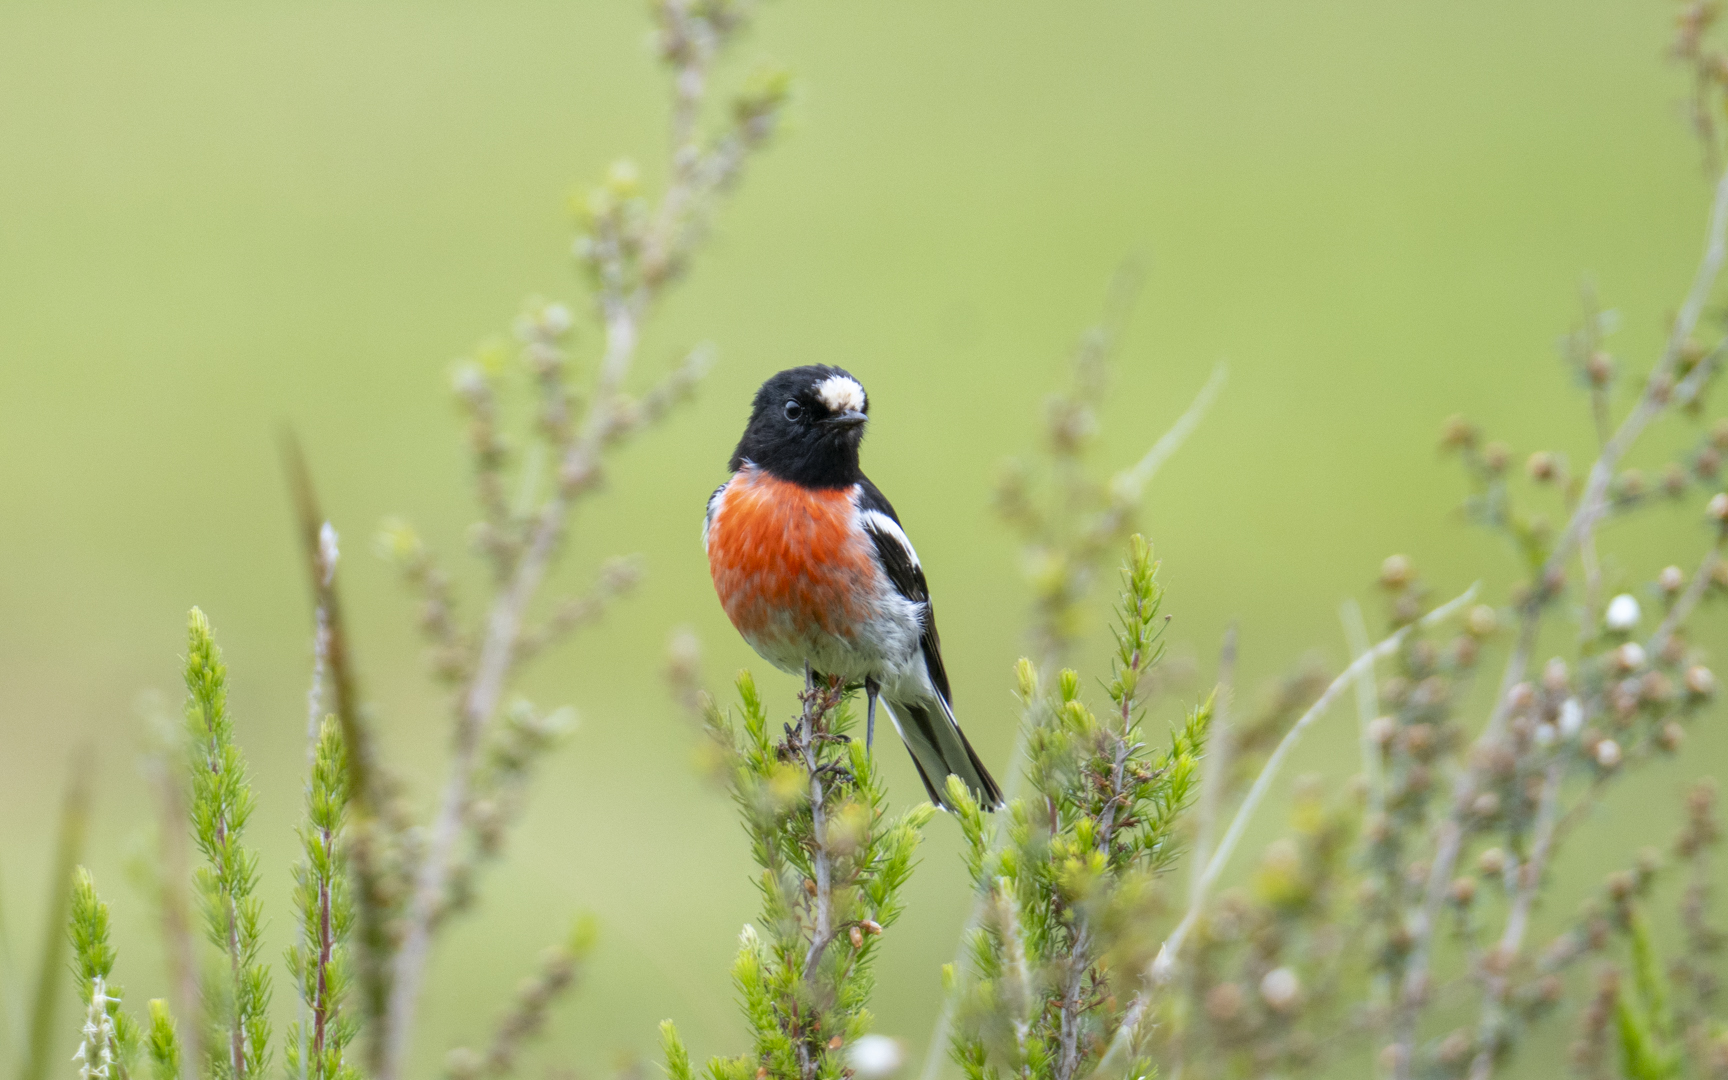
901, 564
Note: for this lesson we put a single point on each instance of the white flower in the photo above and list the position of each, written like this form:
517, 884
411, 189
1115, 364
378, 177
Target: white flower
1280, 987
1571, 718
1623, 613
873, 1056
1608, 753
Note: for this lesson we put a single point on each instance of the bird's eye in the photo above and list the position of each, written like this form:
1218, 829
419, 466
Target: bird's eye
794, 410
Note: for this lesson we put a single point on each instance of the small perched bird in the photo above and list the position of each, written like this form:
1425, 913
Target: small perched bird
813, 568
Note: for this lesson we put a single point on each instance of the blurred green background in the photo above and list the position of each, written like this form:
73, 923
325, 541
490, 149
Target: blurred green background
217, 217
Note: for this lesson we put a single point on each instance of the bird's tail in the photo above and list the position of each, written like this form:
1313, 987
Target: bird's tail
939, 749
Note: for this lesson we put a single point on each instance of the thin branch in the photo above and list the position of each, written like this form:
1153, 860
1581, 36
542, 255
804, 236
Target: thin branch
1367, 705
688, 42
821, 861
1164, 966
1688, 600
1658, 392
1128, 488
1498, 965
1134, 480
1215, 767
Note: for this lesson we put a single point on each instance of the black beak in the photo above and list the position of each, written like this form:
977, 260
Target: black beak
851, 418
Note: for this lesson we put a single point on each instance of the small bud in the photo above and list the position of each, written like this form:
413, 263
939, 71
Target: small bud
1381, 729
1656, 688
1629, 657
1717, 508
1670, 736
1280, 988
1554, 676
1673, 481
1661, 387
1621, 884
555, 320
1571, 718
1521, 697
1708, 463
836, 1042
1454, 1048
871, 927
1630, 484
1608, 754
1491, 863
1486, 805
1540, 466
1495, 455
1458, 433
1419, 739
1224, 1002
1396, 570
1623, 613
1482, 621
809, 886
1700, 681
1463, 891
1671, 579
857, 937
1599, 368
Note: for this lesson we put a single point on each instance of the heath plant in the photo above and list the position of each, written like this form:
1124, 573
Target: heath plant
1403, 923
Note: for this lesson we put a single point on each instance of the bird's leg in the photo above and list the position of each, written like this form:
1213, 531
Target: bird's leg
871, 689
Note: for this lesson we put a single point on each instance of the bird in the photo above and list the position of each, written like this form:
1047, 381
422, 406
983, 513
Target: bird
814, 569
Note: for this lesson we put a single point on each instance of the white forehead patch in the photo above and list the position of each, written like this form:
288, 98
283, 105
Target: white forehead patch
840, 394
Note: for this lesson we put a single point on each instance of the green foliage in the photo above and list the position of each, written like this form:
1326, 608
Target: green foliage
162, 1043
319, 963
1068, 888
109, 1048
221, 802
832, 867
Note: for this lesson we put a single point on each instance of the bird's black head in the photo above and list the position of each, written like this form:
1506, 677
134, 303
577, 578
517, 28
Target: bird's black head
805, 427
